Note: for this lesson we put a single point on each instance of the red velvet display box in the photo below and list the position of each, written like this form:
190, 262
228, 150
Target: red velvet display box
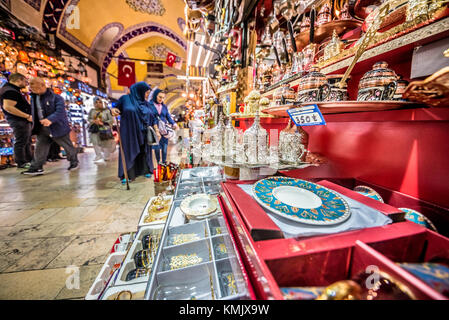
319, 261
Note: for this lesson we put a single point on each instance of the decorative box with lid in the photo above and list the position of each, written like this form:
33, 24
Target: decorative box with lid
255, 141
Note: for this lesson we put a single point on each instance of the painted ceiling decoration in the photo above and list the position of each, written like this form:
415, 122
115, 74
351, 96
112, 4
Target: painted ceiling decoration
36, 4
181, 24
63, 30
147, 6
52, 13
140, 30
158, 51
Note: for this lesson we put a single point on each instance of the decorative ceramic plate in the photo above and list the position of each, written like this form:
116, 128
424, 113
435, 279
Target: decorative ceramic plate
369, 192
301, 201
199, 205
418, 218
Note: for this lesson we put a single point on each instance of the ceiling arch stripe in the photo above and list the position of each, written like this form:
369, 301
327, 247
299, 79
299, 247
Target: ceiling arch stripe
138, 30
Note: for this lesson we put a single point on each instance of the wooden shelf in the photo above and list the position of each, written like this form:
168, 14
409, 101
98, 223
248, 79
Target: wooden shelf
404, 43
416, 115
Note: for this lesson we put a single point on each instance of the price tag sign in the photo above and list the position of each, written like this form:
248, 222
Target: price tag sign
309, 115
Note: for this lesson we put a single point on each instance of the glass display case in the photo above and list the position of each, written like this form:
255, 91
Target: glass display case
197, 259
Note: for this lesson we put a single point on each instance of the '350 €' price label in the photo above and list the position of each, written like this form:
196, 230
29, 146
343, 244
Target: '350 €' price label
309, 115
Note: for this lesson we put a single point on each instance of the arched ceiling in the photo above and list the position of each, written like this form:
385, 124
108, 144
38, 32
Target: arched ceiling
108, 28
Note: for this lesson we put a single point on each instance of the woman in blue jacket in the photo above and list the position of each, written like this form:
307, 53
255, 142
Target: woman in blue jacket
160, 110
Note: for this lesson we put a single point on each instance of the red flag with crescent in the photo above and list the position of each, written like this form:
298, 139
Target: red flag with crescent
126, 73
171, 59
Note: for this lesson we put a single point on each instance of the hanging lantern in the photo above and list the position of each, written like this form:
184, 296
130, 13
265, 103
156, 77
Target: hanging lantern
32, 72
71, 79
32, 55
21, 68
57, 90
23, 57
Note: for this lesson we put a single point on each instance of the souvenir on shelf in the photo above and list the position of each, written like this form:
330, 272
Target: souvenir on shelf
333, 48
385, 287
422, 9
301, 201
305, 24
297, 63
309, 56
229, 139
288, 94
199, 206
264, 103
292, 149
345, 15
313, 86
216, 138
240, 155
380, 83
255, 141
433, 91
277, 96
337, 93
324, 15
252, 102
402, 85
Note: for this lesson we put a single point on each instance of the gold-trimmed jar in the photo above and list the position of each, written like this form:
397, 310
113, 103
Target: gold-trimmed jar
380, 83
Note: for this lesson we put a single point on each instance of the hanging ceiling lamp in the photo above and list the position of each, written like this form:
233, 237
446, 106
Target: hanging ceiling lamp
147, 6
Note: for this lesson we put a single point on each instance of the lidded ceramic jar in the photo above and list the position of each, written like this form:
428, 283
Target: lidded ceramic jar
380, 83
255, 141
313, 86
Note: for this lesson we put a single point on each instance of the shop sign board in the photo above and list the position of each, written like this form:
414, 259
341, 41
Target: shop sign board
309, 115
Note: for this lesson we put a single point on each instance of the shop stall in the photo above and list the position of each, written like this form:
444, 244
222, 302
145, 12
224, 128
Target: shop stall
329, 182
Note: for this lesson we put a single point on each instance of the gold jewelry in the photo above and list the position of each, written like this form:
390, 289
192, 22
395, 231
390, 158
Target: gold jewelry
127, 292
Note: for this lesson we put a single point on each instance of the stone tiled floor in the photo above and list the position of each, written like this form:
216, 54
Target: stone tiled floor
62, 219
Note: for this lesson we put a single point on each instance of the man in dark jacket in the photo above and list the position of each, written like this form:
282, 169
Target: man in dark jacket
49, 122
17, 112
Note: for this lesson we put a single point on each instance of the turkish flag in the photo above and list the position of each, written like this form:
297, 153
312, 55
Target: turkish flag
171, 59
126, 73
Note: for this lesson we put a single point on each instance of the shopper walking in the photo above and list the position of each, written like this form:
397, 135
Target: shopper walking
49, 122
135, 118
100, 121
17, 112
161, 113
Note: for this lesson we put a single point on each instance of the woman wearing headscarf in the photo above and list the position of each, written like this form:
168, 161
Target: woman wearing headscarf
136, 116
100, 116
160, 111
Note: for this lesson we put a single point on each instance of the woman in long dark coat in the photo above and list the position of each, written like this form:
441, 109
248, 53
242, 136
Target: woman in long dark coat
135, 118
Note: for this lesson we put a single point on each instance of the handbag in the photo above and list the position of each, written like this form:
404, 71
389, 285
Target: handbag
164, 129
105, 133
152, 138
93, 128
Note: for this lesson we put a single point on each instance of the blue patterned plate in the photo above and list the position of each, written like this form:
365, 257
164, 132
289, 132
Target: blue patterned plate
301, 201
419, 218
368, 192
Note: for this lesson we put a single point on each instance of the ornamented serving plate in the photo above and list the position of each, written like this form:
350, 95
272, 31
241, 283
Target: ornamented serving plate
418, 218
199, 205
301, 201
369, 192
